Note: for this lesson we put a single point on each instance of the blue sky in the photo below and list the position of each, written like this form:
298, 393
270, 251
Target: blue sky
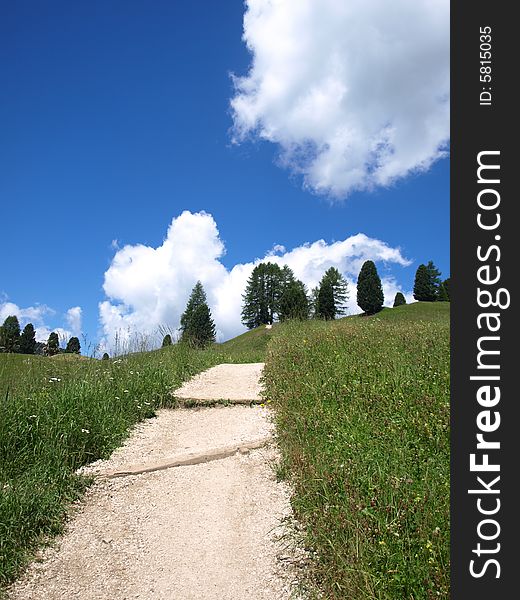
116, 117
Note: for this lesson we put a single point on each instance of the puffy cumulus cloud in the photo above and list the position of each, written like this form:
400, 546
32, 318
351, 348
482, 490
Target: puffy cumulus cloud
39, 315
73, 318
43, 332
151, 285
355, 93
148, 288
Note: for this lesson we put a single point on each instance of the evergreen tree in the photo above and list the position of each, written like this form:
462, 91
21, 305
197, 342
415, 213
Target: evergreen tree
325, 306
197, 297
339, 290
427, 279
73, 346
262, 294
435, 275
40, 348
442, 293
167, 340
399, 299
197, 326
53, 344
10, 334
422, 290
446, 284
313, 302
28, 340
331, 296
294, 303
370, 296
105, 356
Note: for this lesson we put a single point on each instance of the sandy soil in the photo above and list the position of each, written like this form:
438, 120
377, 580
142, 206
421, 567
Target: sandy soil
204, 531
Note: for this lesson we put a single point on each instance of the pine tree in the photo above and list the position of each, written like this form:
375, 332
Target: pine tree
446, 285
53, 344
167, 340
262, 294
73, 346
105, 356
442, 293
28, 340
197, 326
313, 302
294, 303
325, 306
399, 299
426, 283
370, 296
339, 290
10, 334
435, 275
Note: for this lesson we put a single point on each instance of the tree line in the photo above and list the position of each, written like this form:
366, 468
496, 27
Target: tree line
13, 340
272, 293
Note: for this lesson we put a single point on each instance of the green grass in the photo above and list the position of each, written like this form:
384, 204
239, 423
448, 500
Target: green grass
251, 345
58, 414
362, 414
361, 406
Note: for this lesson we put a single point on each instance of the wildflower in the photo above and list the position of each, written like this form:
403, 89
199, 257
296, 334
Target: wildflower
125, 391
32, 416
85, 431
118, 398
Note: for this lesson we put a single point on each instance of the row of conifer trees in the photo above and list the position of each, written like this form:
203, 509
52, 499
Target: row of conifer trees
272, 293
12, 339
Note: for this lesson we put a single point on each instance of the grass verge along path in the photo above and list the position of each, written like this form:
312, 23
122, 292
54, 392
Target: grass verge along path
362, 414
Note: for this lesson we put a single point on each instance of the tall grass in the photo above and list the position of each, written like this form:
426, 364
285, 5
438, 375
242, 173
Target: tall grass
57, 414
362, 413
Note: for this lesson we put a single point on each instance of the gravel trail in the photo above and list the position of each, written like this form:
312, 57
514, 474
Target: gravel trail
195, 532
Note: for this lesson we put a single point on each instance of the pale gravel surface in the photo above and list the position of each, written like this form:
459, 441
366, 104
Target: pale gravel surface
231, 382
206, 531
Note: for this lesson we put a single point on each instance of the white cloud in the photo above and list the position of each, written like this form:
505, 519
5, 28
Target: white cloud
355, 93
43, 332
148, 287
73, 317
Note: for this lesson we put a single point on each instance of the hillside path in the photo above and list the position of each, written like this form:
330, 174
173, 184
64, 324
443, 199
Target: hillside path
207, 529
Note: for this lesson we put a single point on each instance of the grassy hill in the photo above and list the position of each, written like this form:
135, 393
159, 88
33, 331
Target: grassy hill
361, 407
252, 344
362, 414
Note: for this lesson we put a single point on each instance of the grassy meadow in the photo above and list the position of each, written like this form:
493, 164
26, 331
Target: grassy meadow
362, 412
362, 415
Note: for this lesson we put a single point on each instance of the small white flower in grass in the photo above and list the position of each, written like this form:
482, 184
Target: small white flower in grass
32, 416
85, 431
125, 391
118, 398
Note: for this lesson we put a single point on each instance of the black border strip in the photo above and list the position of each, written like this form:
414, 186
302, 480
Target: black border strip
477, 127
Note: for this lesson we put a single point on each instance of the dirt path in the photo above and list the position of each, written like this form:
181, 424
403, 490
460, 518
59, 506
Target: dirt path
198, 531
